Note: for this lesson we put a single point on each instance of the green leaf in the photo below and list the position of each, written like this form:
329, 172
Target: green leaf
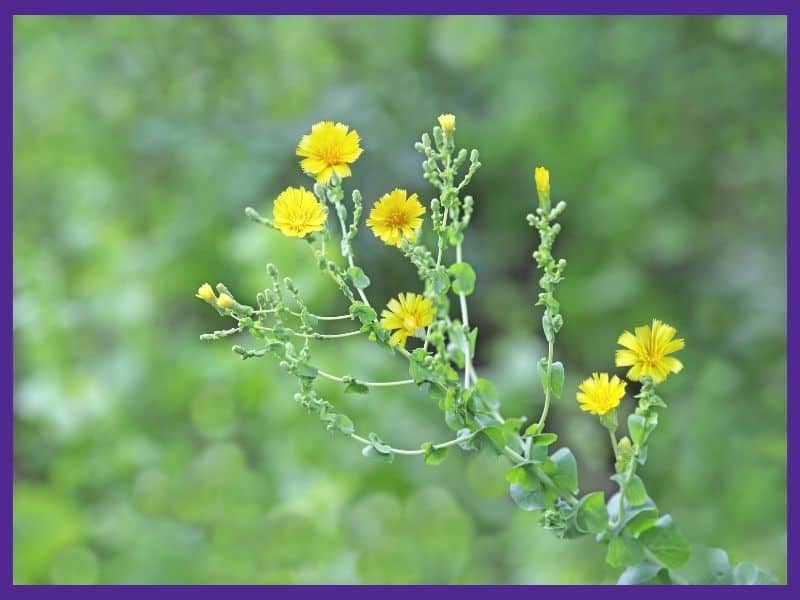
433, 456
535, 499
554, 380
496, 436
748, 574
307, 319
667, 543
378, 444
635, 493
542, 439
544, 376
417, 368
707, 566
557, 379
362, 312
485, 390
548, 327
341, 423
641, 573
522, 476
512, 426
463, 278
642, 522
628, 513
305, 370
563, 469
636, 428
353, 386
624, 552
440, 281
371, 452
358, 277
592, 516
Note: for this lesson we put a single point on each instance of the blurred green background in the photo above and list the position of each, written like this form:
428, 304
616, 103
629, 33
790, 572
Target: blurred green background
143, 455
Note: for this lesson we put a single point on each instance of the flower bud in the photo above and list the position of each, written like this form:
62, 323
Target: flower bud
448, 123
206, 293
542, 178
225, 301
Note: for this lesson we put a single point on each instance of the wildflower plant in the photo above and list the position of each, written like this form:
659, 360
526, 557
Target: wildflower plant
640, 540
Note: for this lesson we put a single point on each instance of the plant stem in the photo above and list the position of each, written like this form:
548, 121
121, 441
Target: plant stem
297, 314
545, 410
367, 383
315, 335
465, 321
613, 437
403, 452
350, 260
438, 262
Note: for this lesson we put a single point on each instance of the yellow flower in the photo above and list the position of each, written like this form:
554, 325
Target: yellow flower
206, 293
297, 212
647, 352
395, 217
447, 123
225, 301
599, 395
407, 313
328, 149
542, 178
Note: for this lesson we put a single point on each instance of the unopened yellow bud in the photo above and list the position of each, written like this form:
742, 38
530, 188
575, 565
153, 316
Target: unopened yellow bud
225, 301
447, 122
542, 178
206, 293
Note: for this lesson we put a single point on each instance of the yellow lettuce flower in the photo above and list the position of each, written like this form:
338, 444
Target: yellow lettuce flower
206, 293
647, 352
329, 149
542, 178
407, 313
297, 212
599, 395
447, 122
395, 217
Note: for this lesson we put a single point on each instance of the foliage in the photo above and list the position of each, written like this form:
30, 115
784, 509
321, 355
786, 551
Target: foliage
143, 456
638, 538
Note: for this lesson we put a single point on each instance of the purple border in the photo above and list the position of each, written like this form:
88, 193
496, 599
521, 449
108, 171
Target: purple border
313, 7
609, 7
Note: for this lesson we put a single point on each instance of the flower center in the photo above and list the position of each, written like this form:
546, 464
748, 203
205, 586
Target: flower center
397, 218
410, 324
331, 155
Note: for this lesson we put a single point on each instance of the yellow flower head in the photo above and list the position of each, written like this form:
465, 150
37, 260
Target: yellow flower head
407, 313
328, 149
395, 217
646, 352
447, 122
542, 178
297, 212
599, 395
206, 293
225, 301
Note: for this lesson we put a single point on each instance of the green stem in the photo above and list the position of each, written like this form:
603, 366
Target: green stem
546, 409
327, 375
465, 321
418, 452
313, 336
438, 262
613, 437
297, 314
350, 260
